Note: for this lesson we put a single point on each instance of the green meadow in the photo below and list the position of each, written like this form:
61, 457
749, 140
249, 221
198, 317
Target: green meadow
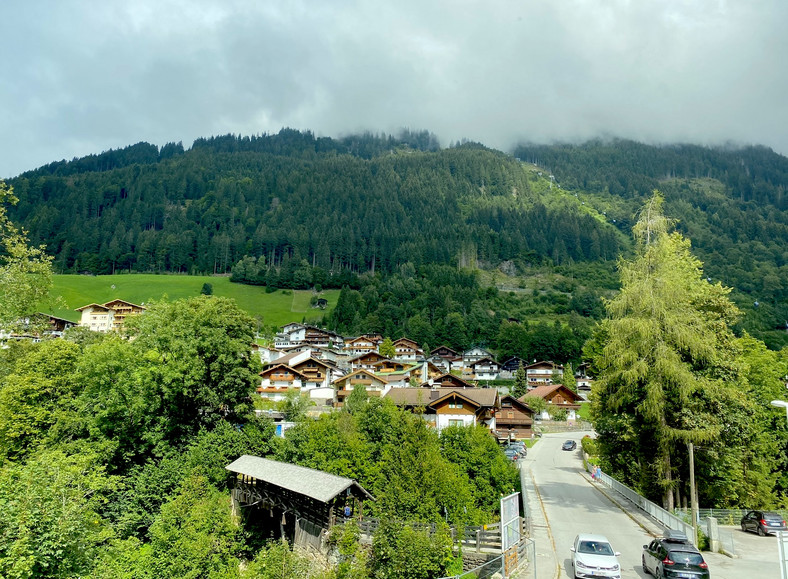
277, 308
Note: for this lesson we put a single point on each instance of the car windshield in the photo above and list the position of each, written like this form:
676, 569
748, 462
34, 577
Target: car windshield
595, 548
686, 557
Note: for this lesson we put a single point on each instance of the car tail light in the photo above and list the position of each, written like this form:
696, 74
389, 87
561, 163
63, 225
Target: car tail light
763, 522
703, 565
667, 561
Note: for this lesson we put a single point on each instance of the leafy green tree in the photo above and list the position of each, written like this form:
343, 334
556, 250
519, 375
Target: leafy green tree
25, 271
207, 289
386, 348
358, 398
535, 403
295, 405
195, 534
196, 365
479, 455
668, 339
400, 552
38, 388
50, 525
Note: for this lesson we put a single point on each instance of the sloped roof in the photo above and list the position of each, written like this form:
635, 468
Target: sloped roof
94, 305
409, 396
309, 482
273, 367
548, 389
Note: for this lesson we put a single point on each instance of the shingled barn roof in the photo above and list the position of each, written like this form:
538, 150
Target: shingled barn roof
309, 482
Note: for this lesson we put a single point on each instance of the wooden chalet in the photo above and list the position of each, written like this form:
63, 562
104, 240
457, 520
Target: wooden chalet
277, 380
514, 420
407, 350
540, 373
366, 361
447, 358
292, 502
443, 407
450, 381
558, 395
374, 385
361, 345
473, 354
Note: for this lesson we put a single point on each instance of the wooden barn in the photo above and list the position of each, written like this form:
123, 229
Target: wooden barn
297, 503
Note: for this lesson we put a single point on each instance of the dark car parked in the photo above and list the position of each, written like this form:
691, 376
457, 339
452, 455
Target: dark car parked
673, 556
569, 445
763, 522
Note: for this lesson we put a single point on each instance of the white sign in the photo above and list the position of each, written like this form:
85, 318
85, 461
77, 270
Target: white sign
782, 545
510, 521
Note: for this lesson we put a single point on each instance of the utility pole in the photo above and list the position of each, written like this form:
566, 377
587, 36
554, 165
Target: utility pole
693, 494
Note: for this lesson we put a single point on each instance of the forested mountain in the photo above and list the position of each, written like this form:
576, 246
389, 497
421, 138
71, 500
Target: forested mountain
307, 211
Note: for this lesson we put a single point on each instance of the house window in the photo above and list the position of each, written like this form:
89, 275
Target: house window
455, 422
455, 404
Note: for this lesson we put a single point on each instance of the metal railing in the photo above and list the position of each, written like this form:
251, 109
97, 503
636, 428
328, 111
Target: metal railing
723, 516
652, 509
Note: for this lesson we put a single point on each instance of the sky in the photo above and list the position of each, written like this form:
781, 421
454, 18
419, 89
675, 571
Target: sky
82, 77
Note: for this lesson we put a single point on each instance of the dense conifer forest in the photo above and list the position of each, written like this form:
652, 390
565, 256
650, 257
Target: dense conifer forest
292, 210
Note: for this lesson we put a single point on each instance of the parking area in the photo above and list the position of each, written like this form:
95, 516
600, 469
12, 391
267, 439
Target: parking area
755, 557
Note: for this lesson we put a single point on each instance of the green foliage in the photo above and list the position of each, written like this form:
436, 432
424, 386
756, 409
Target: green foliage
197, 367
478, 454
386, 348
194, 535
50, 526
400, 552
535, 403
207, 289
25, 271
668, 372
39, 384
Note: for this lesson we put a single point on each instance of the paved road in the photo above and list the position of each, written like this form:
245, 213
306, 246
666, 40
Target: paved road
571, 504
564, 502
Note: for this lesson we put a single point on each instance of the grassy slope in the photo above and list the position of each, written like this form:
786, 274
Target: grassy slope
276, 308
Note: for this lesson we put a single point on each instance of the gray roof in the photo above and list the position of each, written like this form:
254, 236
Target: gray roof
312, 483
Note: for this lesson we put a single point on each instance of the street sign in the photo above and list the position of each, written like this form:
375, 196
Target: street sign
510, 521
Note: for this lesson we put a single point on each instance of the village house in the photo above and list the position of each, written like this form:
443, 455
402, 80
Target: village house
557, 396
361, 345
407, 350
449, 381
514, 420
344, 386
302, 371
446, 358
485, 369
294, 334
473, 355
510, 366
108, 317
540, 373
366, 361
443, 407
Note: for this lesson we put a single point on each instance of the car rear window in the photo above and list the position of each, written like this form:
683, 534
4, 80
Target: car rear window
686, 557
772, 517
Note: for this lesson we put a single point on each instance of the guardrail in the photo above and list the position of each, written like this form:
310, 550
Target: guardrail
652, 509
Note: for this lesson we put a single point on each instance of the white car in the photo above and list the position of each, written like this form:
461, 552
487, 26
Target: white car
592, 556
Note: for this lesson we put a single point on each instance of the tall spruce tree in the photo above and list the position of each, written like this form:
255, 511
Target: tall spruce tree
666, 342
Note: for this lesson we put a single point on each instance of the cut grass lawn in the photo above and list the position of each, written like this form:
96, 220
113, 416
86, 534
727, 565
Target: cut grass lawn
277, 308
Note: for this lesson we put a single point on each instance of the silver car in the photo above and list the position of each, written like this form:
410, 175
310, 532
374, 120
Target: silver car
592, 556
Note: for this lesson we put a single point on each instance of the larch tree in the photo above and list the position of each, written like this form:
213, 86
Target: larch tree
666, 342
